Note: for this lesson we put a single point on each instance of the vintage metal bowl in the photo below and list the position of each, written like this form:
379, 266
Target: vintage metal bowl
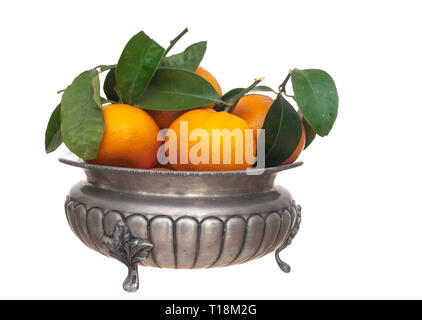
181, 219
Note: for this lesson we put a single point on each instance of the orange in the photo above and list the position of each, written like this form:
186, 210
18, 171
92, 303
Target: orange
253, 108
298, 149
210, 78
163, 169
165, 118
207, 150
129, 139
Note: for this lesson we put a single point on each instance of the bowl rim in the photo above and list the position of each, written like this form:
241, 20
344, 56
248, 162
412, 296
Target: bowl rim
72, 160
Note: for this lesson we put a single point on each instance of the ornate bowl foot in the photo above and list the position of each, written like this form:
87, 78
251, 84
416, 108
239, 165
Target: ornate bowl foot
129, 250
284, 266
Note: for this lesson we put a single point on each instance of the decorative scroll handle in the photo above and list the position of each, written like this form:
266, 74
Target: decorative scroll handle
129, 250
296, 211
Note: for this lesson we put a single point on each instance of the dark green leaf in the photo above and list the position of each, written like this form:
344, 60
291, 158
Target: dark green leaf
136, 67
82, 121
310, 133
236, 91
173, 89
283, 131
231, 93
188, 59
53, 136
110, 86
317, 98
264, 88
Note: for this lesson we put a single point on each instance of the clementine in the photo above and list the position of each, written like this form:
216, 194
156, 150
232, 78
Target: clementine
129, 139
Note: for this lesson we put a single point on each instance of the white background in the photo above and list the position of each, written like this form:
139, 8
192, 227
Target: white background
360, 187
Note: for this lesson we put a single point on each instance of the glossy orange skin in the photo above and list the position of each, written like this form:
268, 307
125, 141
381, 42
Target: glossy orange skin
211, 79
208, 119
165, 118
253, 108
298, 149
129, 139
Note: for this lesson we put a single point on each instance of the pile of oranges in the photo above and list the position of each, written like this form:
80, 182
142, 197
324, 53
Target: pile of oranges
130, 135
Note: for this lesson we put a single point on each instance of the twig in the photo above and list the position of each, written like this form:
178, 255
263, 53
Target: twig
282, 87
173, 42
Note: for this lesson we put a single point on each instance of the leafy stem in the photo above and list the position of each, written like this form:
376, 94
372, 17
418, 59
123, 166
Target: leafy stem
174, 41
231, 103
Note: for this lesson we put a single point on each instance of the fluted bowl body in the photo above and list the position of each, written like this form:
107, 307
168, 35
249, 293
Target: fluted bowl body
190, 219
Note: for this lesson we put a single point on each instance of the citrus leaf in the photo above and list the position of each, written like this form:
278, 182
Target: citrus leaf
188, 59
310, 133
231, 93
317, 98
264, 88
236, 91
53, 136
174, 89
110, 86
136, 67
82, 121
283, 131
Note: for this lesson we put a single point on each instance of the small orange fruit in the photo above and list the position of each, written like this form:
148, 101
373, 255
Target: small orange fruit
253, 108
165, 118
209, 142
129, 139
298, 149
211, 79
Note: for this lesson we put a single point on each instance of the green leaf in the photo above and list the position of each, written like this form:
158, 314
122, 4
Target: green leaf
236, 91
136, 67
174, 89
283, 131
317, 98
264, 88
110, 86
310, 133
53, 136
231, 93
188, 59
82, 121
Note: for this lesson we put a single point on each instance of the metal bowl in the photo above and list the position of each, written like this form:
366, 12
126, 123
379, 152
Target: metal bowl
181, 219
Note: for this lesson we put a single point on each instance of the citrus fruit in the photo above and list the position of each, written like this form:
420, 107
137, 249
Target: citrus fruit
165, 118
129, 139
253, 108
211, 79
212, 141
298, 149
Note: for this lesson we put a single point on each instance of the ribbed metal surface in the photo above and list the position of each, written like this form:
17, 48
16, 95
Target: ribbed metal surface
187, 242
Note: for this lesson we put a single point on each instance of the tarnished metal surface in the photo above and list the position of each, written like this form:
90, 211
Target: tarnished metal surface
190, 219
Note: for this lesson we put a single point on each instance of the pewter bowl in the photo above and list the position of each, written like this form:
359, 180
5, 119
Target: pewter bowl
181, 219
